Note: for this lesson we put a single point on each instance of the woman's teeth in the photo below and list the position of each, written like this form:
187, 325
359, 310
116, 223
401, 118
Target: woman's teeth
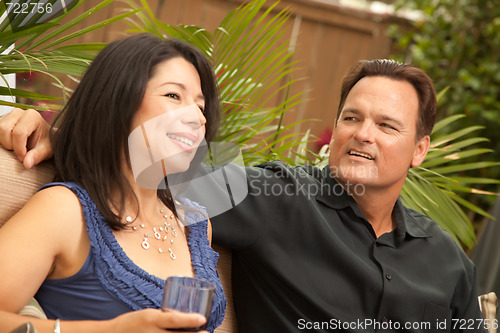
181, 139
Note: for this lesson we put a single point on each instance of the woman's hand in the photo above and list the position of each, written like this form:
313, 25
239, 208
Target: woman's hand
153, 320
142, 321
27, 133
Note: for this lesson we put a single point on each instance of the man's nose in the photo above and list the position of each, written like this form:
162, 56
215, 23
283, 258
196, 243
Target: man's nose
365, 132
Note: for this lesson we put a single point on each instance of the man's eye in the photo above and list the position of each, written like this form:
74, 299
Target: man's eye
349, 118
387, 126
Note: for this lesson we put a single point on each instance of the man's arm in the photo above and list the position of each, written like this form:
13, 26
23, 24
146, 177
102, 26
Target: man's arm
27, 133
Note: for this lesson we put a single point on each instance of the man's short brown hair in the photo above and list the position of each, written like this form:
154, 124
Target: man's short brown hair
394, 70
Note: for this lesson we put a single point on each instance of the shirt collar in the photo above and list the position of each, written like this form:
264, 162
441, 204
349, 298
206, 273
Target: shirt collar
410, 222
334, 195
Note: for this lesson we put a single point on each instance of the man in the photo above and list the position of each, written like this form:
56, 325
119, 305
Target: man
334, 249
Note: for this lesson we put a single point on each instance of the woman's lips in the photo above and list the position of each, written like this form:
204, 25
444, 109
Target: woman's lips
184, 140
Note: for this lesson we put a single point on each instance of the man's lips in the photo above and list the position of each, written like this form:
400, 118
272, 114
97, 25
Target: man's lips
361, 154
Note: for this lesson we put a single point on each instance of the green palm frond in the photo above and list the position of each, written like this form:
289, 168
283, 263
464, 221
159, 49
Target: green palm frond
28, 46
433, 188
254, 68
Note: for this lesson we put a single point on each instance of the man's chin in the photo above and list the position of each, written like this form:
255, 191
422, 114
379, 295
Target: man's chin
355, 173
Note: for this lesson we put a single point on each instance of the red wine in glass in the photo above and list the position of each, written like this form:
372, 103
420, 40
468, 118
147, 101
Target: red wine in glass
189, 295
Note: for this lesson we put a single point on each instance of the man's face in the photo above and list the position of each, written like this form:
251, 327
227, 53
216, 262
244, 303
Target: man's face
374, 141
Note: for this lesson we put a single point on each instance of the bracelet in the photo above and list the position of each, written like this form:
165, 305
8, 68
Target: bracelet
57, 326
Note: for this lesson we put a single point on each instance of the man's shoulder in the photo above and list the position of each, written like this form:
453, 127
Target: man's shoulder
436, 232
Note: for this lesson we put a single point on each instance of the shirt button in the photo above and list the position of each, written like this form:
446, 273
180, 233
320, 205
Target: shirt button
388, 276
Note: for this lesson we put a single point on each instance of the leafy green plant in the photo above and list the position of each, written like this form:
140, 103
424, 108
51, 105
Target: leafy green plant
29, 46
252, 61
434, 188
457, 43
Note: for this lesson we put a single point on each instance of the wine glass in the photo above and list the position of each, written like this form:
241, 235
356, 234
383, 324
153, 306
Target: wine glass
187, 294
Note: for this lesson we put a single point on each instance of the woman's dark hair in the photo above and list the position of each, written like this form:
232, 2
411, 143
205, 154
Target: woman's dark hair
93, 128
404, 72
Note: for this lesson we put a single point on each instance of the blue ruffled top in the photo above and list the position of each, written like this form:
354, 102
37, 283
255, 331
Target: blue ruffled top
110, 284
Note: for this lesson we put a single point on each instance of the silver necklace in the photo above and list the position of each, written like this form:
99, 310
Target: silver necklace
160, 233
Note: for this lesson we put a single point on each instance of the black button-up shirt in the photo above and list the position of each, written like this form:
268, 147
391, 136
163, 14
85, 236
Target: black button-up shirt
306, 259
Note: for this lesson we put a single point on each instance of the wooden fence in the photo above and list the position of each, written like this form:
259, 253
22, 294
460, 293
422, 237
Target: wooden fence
328, 40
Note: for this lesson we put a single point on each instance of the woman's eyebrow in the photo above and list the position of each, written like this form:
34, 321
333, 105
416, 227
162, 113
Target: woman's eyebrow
179, 84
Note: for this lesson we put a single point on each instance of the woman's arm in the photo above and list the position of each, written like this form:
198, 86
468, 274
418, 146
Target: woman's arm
143, 321
34, 240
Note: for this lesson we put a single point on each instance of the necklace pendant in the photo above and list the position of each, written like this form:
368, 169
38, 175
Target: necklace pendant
172, 255
128, 219
157, 234
145, 244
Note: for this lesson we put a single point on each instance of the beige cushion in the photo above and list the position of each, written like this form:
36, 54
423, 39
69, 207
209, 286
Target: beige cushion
17, 184
33, 309
229, 325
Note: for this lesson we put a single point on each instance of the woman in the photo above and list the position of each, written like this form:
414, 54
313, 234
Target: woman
96, 245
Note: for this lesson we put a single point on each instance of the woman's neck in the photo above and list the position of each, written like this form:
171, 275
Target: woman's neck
142, 204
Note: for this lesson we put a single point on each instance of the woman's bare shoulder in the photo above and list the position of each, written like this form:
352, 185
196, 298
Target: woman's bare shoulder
53, 208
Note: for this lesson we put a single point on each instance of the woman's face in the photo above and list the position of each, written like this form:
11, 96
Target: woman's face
169, 125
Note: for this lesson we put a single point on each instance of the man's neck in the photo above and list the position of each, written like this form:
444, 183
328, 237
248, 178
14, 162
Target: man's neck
377, 206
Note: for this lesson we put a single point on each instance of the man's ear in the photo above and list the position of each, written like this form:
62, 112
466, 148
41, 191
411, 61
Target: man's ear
421, 149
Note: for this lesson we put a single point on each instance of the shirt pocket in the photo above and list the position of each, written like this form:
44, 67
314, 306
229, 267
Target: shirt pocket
438, 317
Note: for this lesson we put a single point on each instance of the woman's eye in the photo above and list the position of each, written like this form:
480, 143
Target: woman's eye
172, 95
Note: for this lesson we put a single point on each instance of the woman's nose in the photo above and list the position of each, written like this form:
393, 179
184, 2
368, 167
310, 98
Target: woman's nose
194, 117
202, 118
